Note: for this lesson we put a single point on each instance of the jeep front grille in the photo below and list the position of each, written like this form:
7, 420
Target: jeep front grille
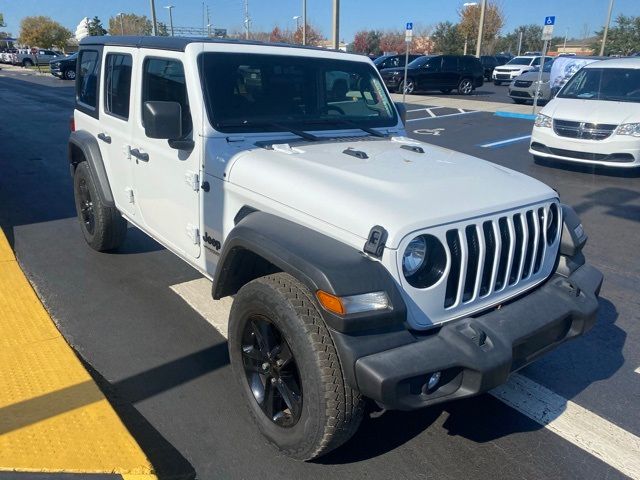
490, 259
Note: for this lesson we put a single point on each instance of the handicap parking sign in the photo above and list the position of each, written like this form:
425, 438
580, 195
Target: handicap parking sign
409, 26
550, 20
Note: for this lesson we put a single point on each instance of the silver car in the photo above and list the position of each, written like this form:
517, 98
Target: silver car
523, 88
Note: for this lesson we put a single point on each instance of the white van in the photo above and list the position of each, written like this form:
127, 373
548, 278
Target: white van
595, 118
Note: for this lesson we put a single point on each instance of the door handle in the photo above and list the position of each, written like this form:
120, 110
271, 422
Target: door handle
104, 137
139, 155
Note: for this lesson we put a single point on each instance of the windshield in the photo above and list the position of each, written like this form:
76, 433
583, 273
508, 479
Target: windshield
419, 62
381, 59
614, 84
520, 61
546, 68
257, 92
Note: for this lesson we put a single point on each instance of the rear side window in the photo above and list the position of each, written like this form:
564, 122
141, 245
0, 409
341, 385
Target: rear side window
87, 81
449, 64
163, 80
117, 84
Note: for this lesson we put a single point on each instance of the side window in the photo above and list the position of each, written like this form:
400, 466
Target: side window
536, 61
433, 65
396, 62
87, 81
449, 64
164, 80
117, 84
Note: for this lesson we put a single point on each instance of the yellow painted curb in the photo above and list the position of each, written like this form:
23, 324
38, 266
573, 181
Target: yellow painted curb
53, 417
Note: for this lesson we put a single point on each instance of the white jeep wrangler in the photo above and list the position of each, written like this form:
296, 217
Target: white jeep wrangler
364, 264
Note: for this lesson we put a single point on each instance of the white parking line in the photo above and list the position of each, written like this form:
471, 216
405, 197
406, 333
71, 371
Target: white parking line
608, 442
443, 116
637, 370
505, 142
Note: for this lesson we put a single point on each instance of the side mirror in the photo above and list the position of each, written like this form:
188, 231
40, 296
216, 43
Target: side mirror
402, 111
162, 120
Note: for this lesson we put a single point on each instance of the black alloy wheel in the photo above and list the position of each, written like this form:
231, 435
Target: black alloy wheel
85, 201
271, 371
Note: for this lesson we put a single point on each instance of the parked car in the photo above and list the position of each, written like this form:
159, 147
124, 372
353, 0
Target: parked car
7, 54
516, 67
393, 61
28, 59
523, 88
362, 264
489, 62
64, 67
595, 118
437, 72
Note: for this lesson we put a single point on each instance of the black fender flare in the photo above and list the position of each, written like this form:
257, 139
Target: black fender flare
90, 149
317, 260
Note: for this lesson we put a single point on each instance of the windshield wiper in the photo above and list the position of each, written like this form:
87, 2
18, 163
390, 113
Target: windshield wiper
301, 133
349, 123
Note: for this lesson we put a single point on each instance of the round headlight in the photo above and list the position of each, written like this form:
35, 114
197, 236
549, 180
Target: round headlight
414, 256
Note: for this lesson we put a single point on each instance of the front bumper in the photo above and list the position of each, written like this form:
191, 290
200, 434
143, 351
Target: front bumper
620, 151
529, 93
477, 354
506, 76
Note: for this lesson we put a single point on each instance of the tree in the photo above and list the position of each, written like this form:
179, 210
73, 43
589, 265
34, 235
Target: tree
447, 39
280, 36
163, 30
2, 24
470, 21
96, 28
367, 42
314, 37
393, 41
531, 40
130, 24
623, 38
43, 32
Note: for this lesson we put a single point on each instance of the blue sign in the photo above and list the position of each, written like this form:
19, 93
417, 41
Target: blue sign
550, 20
409, 26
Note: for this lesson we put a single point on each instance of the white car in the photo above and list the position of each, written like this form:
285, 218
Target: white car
362, 263
516, 67
595, 118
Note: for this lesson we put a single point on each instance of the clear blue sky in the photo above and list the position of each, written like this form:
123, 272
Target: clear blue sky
355, 14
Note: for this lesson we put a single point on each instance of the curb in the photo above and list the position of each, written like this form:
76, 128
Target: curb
524, 116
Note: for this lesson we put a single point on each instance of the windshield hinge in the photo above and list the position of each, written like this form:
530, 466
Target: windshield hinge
192, 179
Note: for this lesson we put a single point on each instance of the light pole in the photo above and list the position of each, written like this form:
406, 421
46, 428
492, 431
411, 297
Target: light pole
520, 42
566, 34
154, 22
481, 28
336, 24
466, 37
304, 22
170, 8
121, 23
606, 29
297, 19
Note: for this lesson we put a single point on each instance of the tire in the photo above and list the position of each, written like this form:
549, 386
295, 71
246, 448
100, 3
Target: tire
102, 226
465, 87
411, 86
27, 62
446, 90
497, 82
69, 74
325, 411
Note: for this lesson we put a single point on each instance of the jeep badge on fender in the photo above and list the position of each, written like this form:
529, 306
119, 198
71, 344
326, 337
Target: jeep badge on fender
363, 264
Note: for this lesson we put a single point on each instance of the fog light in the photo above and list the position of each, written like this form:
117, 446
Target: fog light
433, 380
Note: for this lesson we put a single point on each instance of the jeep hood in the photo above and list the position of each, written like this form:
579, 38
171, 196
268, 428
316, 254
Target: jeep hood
399, 189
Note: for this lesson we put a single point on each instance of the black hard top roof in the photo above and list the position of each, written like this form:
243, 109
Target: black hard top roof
176, 43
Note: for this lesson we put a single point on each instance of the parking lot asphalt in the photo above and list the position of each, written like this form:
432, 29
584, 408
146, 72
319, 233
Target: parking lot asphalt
166, 369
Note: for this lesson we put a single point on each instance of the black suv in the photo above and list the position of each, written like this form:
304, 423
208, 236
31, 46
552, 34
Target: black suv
64, 67
437, 72
393, 61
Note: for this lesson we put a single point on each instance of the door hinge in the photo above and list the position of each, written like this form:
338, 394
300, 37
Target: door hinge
130, 196
193, 180
194, 233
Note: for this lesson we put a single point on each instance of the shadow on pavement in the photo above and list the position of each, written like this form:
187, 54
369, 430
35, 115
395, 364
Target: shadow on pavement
589, 169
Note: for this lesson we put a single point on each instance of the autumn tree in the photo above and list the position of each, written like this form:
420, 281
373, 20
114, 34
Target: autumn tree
43, 32
367, 42
96, 28
314, 37
470, 22
130, 24
280, 36
447, 38
393, 41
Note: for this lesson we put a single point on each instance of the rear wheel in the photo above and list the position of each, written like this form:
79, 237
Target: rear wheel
465, 87
69, 74
102, 226
27, 62
288, 369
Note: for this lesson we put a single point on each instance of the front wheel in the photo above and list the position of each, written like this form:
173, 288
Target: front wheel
69, 74
288, 369
102, 226
27, 63
465, 87
410, 88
